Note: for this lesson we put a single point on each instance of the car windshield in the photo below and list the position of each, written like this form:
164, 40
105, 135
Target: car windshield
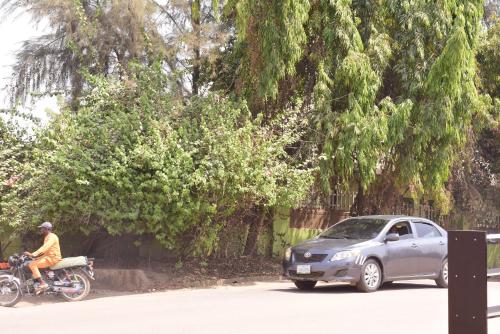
355, 229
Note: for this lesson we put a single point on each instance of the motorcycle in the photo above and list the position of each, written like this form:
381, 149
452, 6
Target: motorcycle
70, 278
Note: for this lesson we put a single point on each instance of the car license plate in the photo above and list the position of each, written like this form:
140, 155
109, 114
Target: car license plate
303, 269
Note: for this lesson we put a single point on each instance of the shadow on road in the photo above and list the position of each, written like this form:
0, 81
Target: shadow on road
345, 288
30, 301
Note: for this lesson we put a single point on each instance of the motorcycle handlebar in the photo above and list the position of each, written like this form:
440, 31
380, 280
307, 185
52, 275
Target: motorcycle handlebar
24, 257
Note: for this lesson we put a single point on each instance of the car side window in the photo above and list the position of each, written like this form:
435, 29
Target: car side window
403, 229
426, 230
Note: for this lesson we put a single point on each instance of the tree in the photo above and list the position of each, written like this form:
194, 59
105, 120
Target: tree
475, 191
390, 87
101, 37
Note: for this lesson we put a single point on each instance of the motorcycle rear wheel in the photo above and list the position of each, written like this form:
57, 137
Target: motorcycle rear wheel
80, 277
9, 288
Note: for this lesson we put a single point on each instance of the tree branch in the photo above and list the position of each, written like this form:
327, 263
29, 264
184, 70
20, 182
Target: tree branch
165, 11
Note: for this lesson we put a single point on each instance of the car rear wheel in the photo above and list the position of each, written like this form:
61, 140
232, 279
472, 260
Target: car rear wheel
442, 281
305, 285
371, 277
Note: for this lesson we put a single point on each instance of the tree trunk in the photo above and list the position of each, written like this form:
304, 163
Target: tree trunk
254, 231
76, 91
270, 232
358, 208
196, 71
196, 21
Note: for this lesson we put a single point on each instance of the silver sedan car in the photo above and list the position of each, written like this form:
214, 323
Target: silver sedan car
369, 251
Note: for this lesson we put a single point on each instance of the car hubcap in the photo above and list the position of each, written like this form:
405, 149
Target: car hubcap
372, 275
445, 272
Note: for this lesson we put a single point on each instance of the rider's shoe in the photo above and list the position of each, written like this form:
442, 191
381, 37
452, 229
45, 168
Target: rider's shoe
41, 288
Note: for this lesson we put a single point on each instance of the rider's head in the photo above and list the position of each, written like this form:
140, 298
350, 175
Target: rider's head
45, 228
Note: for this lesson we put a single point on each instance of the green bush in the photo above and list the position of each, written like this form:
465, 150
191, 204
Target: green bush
135, 160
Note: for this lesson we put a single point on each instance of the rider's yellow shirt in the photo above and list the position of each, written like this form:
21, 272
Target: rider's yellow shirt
50, 248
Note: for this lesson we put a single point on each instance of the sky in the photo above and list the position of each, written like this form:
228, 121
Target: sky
13, 31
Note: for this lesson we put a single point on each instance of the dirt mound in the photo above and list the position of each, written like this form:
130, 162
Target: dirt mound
191, 274
121, 280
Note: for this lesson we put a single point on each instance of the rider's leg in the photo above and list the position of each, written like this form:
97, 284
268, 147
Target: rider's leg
40, 263
34, 269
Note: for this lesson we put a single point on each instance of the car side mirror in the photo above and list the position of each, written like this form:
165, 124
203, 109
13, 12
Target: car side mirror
392, 237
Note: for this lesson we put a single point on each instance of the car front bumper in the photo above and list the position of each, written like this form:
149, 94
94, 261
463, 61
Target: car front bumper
338, 271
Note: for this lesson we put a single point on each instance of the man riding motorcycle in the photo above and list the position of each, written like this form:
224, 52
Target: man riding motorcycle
46, 256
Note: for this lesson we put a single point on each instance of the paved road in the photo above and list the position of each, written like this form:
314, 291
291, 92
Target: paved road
409, 308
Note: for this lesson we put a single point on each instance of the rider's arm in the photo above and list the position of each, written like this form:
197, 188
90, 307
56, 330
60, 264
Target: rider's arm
48, 243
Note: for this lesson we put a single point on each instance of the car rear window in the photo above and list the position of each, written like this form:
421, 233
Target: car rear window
426, 230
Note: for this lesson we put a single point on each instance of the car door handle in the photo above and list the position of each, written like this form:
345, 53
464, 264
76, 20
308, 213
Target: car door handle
441, 243
414, 246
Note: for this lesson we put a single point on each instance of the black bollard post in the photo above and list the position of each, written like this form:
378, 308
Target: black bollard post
467, 282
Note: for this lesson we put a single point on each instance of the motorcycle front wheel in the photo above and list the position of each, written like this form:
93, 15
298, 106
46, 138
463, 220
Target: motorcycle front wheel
10, 292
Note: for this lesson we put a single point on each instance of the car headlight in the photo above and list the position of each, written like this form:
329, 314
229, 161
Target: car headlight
344, 255
288, 254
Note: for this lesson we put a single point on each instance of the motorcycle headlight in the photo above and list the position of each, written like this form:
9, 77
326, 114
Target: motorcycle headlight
288, 254
12, 261
344, 255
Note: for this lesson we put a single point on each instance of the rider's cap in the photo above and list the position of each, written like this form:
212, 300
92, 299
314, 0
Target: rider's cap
46, 225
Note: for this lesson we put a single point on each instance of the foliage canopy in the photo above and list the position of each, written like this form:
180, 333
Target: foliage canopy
185, 116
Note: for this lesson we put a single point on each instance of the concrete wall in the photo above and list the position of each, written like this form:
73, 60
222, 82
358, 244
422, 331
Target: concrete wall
286, 236
493, 256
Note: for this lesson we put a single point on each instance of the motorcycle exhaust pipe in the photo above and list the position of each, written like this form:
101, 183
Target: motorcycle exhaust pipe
67, 290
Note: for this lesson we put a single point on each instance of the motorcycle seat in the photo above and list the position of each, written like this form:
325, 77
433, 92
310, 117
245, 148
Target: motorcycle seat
69, 262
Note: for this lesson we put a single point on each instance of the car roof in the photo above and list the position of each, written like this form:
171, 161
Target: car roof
388, 217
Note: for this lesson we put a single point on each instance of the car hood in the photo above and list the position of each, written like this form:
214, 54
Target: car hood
321, 244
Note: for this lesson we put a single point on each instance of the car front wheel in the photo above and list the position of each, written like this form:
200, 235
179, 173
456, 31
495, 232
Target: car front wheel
442, 281
371, 277
305, 285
